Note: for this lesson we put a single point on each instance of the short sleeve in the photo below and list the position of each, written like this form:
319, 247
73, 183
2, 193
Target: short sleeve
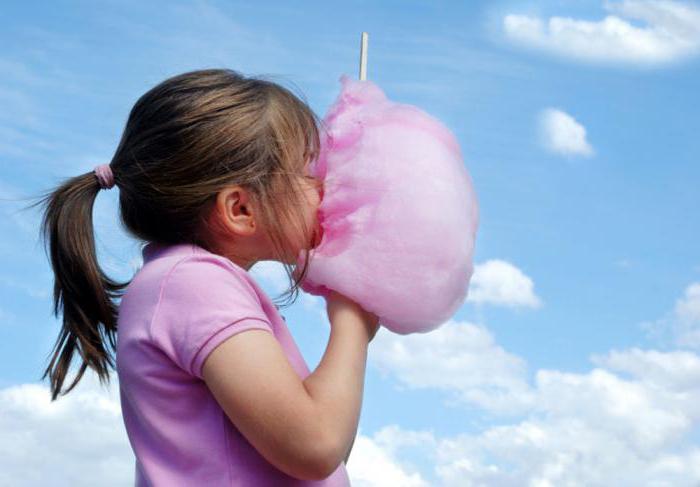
204, 300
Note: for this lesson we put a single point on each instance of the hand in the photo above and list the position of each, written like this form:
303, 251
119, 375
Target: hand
337, 304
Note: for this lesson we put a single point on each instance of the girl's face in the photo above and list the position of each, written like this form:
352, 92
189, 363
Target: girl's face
314, 192
312, 189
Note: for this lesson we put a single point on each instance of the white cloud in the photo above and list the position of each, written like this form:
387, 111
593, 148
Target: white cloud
460, 358
677, 370
77, 440
560, 451
372, 462
682, 323
671, 33
500, 283
630, 420
561, 134
687, 312
596, 429
593, 429
646, 418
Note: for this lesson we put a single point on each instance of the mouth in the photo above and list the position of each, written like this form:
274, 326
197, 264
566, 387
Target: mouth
317, 236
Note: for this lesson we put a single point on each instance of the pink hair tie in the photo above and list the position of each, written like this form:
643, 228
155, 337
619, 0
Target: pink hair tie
104, 176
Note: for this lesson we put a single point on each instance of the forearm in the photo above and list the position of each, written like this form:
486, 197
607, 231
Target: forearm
336, 385
347, 455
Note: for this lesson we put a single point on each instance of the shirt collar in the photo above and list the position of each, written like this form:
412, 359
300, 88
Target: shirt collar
153, 250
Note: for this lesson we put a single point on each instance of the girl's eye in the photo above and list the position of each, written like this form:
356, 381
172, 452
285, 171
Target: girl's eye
316, 182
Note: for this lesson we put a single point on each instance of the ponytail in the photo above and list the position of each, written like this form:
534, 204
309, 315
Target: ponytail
81, 289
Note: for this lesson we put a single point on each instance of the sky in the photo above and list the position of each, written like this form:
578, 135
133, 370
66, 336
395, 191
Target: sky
575, 359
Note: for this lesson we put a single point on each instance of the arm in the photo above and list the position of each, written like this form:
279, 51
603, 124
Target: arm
337, 383
254, 383
349, 450
301, 427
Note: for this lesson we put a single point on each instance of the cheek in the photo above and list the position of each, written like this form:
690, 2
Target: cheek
314, 195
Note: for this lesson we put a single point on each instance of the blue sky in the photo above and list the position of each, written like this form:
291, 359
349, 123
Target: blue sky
574, 361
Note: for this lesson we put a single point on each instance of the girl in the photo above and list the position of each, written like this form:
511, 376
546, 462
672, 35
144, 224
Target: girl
212, 172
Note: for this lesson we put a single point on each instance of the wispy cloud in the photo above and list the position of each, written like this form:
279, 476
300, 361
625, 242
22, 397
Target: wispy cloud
7, 318
32, 290
671, 33
681, 325
687, 312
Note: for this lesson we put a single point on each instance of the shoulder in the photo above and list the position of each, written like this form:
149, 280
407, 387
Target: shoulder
203, 300
201, 287
205, 273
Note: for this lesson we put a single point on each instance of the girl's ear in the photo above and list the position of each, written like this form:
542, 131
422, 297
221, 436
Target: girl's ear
236, 211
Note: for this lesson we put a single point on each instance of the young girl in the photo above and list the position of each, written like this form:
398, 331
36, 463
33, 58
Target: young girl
212, 170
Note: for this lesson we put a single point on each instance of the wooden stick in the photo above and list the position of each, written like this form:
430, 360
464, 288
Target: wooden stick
363, 56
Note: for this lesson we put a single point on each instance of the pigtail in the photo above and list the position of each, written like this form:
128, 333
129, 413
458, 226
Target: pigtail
81, 290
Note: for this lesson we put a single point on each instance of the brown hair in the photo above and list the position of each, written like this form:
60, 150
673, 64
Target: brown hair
185, 139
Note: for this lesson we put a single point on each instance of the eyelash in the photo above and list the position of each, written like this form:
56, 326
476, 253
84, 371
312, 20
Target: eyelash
316, 181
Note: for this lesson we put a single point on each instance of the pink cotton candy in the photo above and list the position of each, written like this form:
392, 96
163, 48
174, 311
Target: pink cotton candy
399, 214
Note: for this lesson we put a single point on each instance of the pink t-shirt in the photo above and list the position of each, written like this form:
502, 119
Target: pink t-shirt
181, 304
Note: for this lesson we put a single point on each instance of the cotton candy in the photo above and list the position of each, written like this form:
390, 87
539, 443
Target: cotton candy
399, 213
